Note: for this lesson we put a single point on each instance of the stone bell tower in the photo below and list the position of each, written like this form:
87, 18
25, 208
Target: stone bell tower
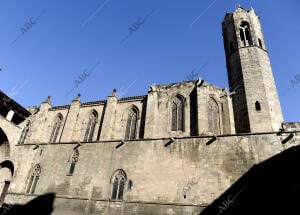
255, 101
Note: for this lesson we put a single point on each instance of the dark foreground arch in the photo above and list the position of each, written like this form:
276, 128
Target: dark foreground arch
8, 164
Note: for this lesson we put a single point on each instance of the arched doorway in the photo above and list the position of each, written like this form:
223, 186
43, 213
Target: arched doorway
4, 146
6, 166
6, 174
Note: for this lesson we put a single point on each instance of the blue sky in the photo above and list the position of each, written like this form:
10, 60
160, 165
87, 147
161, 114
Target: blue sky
45, 46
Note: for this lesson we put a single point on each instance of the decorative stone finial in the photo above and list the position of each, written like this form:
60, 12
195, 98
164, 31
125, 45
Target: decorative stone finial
48, 100
224, 89
77, 98
114, 93
199, 82
152, 88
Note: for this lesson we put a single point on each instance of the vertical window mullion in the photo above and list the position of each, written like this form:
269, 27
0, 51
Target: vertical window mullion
180, 117
118, 190
92, 128
174, 117
30, 183
121, 189
24, 135
133, 127
115, 189
55, 132
213, 117
128, 127
177, 118
87, 131
244, 35
36, 178
52, 133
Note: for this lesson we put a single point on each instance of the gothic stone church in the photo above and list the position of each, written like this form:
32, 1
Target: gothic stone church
172, 151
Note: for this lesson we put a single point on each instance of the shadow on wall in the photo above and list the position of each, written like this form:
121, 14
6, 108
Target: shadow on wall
271, 187
41, 205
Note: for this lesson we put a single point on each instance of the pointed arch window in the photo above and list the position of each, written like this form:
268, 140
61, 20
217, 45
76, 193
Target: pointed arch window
131, 126
245, 34
6, 173
213, 116
118, 184
25, 133
89, 132
72, 161
33, 179
177, 114
56, 128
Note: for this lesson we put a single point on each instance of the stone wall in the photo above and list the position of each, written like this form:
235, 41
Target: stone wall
185, 172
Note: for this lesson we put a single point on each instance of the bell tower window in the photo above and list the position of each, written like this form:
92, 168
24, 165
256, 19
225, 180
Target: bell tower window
245, 34
257, 106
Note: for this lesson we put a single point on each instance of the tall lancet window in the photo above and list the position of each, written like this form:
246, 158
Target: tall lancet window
213, 116
177, 114
25, 133
245, 34
89, 132
33, 179
72, 161
131, 127
118, 181
56, 127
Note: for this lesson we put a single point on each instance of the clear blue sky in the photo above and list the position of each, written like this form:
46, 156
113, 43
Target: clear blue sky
67, 38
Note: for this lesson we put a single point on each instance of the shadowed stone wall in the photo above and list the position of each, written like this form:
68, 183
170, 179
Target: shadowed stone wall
164, 177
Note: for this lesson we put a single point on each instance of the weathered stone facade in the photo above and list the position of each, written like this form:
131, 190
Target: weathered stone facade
256, 104
172, 151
